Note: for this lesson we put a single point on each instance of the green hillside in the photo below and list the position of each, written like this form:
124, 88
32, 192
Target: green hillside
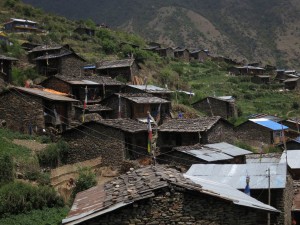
265, 31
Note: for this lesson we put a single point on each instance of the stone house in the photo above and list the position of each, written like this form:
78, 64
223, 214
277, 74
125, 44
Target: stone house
219, 153
160, 195
203, 130
150, 89
21, 25
65, 62
136, 106
256, 132
114, 140
124, 69
98, 87
85, 30
182, 54
247, 70
165, 52
235, 175
199, 55
42, 50
292, 84
29, 110
260, 79
6, 67
223, 106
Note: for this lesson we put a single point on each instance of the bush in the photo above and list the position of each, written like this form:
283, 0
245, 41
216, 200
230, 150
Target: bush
86, 180
53, 154
20, 197
243, 145
6, 168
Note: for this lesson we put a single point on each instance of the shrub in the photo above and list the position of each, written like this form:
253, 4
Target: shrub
86, 180
21, 197
6, 168
53, 154
243, 145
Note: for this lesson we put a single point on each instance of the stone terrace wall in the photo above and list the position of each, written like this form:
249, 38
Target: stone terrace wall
178, 208
71, 65
96, 141
21, 110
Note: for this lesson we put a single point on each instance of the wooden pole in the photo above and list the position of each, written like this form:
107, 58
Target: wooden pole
269, 195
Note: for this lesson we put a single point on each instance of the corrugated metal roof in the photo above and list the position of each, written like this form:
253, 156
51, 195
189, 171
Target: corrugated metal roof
145, 100
89, 67
235, 174
263, 160
228, 192
151, 88
229, 149
206, 154
293, 158
44, 94
250, 67
269, 124
226, 98
291, 80
22, 20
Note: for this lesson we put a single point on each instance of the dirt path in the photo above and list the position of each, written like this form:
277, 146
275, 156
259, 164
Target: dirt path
31, 144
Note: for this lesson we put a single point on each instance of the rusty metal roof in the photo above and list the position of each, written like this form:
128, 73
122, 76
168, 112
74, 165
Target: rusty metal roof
189, 125
43, 94
141, 184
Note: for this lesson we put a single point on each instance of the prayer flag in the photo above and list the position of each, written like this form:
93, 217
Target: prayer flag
149, 133
247, 188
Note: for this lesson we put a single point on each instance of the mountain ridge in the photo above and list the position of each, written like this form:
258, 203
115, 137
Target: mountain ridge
258, 31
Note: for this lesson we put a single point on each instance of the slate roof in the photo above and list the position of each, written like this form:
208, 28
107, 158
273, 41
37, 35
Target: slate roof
95, 108
124, 124
291, 80
114, 64
143, 98
46, 48
269, 124
189, 125
44, 94
235, 174
3, 57
141, 184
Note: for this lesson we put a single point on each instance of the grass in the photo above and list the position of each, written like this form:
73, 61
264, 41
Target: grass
46, 216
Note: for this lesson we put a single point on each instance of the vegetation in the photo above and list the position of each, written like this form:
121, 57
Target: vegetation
53, 154
20, 197
45, 216
86, 180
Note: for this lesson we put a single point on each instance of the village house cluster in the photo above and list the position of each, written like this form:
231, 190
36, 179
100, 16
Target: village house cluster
189, 170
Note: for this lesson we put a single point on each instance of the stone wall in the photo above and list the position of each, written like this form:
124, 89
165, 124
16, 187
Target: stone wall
113, 103
253, 134
95, 140
171, 206
216, 108
22, 111
220, 132
72, 65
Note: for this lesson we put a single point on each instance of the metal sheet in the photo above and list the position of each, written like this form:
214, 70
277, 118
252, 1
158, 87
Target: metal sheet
228, 192
235, 174
208, 155
229, 149
293, 157
269, 124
